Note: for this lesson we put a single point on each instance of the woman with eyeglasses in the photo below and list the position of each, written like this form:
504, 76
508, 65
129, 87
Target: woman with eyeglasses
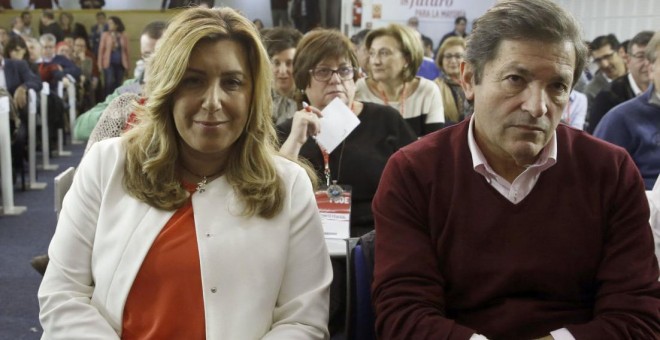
449, 58
324, 68
395, 54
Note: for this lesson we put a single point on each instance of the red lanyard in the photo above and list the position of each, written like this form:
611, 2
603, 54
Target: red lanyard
326, 158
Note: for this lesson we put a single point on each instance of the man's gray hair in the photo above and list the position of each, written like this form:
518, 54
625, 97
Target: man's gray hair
47, 38
541, 20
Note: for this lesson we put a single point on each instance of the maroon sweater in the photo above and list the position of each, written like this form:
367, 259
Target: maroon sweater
454, 257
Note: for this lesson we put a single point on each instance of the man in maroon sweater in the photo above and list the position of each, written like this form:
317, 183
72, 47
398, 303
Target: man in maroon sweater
509, 225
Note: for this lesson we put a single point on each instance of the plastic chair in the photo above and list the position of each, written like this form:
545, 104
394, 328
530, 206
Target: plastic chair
360, 318
62, 184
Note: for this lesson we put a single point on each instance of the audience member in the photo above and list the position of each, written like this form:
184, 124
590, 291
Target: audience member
52, 67
395, 54
627, 86
26, 17
324, 67
4, 36
92, 4
113, 55
258, 24
306, 14
280, 43
96, 31
509, 224
49, 26
449, 59
63, 49
413, 22
86, 122
16, 49
279, 10
18, 79
361, 52
88, 80
575, 112
16, 27
201, 161
635, 124
460, 30
34, 54
610, 66
71, 28
43, 4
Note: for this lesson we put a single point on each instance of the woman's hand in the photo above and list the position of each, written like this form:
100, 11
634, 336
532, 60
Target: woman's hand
306, 123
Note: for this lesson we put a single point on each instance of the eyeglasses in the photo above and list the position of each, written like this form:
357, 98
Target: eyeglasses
383, 53
458, 56
639, 56
602, 58
325, 73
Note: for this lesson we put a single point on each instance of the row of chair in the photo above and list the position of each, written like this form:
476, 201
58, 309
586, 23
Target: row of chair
6, 171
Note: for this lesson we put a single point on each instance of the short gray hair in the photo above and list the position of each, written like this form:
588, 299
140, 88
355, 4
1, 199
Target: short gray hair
541, 20
47, 38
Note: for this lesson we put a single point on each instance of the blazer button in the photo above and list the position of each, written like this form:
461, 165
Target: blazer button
214, 290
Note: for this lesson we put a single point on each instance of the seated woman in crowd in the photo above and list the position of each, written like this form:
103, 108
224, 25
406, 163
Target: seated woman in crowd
395, 54
281, 44
189, 225
325, 68
449, 58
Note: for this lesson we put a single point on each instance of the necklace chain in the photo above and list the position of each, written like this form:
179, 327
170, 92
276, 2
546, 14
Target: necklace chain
201, 185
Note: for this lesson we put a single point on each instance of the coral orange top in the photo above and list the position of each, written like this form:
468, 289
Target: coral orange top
166, 300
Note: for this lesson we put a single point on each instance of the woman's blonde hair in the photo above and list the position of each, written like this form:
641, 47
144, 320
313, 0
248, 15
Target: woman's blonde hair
449, 42
153, 145
411, 46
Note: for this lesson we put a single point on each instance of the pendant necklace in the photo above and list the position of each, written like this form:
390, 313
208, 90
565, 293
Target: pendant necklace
201, 185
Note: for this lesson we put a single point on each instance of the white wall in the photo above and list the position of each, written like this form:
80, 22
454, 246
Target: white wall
624, 18
252, 8
436, 17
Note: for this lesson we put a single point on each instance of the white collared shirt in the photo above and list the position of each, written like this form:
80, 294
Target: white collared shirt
516, 191
3, 79
633, 85
525, 182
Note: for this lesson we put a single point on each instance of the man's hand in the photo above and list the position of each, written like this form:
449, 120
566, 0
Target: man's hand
20, 97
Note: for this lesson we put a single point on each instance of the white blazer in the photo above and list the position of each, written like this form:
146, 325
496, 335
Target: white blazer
261, 278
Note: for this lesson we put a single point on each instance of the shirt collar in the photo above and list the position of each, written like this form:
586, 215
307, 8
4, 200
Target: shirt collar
547, 158
633, 85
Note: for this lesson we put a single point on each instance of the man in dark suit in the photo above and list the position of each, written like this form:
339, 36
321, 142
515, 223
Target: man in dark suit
48, 25
625, 87
18, 79
53, 68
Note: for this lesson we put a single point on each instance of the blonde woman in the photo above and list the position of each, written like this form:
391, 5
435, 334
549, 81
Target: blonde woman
395, 54
189, 226
450, 55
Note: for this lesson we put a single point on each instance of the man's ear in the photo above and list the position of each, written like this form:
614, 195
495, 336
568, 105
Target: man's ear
467, 80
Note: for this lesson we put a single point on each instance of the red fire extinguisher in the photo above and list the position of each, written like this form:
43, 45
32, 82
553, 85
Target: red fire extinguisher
357, 13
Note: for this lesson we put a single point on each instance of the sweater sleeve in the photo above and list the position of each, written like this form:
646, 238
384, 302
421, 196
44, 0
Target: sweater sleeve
627, 301
408, 290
